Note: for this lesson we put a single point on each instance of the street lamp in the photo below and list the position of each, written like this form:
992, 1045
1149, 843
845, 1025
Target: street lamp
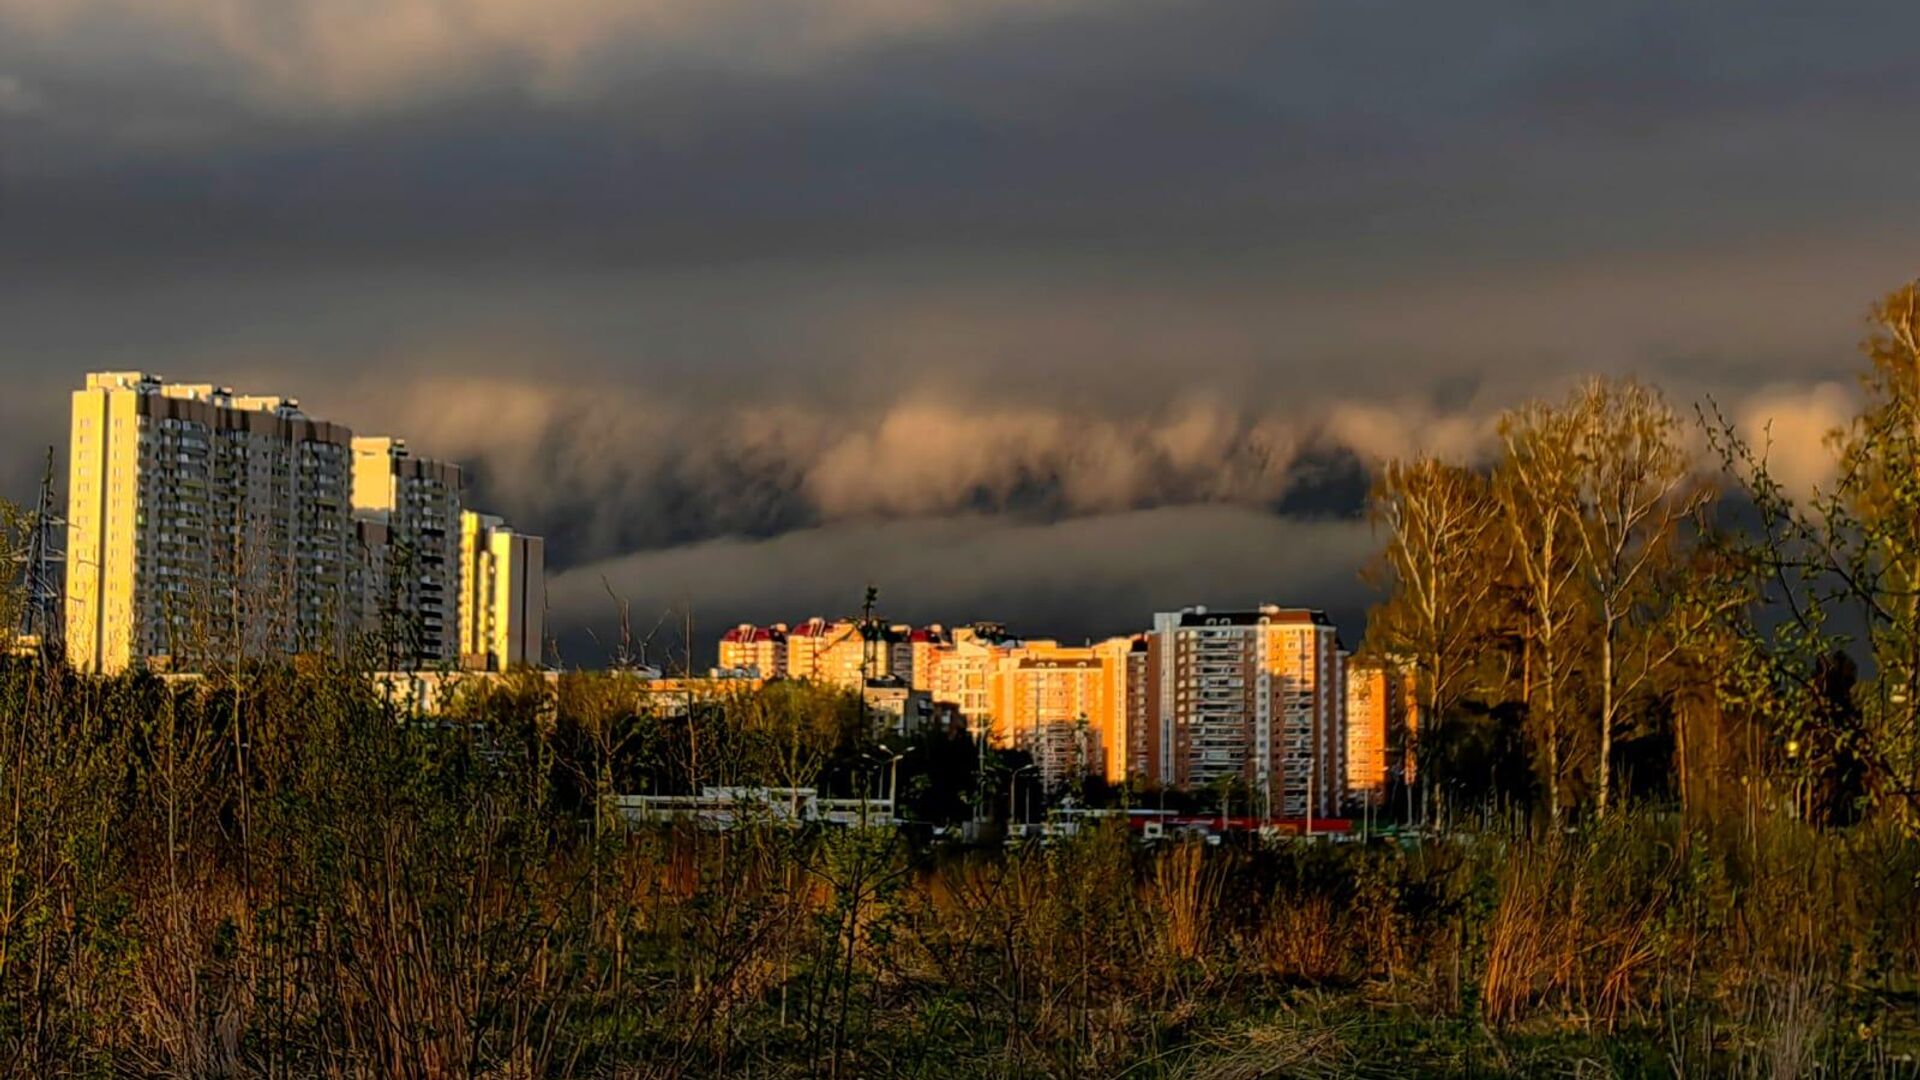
1013, 788
893, 779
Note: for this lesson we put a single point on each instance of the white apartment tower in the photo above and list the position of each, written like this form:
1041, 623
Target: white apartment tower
203, 526
1256, 694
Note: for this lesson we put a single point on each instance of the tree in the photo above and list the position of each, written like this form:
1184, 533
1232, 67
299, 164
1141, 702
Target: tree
1848, 553
1438, 551
1535, 488
1632, 490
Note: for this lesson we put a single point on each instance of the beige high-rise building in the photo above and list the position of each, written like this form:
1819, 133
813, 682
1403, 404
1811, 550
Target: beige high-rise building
842, 653
962, 676
419, 501
202, 526
1255, 694
759, 649
1123, 661
503, 594
804, 644
925, 647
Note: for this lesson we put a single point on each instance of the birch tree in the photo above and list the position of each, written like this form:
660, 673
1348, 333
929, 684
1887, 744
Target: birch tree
1632, 490
1440, 545
1534, 488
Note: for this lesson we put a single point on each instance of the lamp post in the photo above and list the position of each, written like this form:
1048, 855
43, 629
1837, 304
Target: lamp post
893, 779
1013, 789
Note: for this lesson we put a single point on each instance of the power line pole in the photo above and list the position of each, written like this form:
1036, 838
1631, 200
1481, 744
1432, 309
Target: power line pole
40, 616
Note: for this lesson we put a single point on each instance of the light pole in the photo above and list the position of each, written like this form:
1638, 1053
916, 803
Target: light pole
1013, 789
1313, 775
893, 783
893, 780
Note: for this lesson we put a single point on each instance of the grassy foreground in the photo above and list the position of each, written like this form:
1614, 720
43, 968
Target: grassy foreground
273, 876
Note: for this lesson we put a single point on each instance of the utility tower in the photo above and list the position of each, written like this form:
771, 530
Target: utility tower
40, 614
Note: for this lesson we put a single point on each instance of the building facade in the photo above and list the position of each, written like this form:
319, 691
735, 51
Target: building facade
209, 527
759, 649
963, 674
847, 652
1057, 703
1255, 695
203, 526
503, 598
1381, 720
1123, 667
419, 501
926, 647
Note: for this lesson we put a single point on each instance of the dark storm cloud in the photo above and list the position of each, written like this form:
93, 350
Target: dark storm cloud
667, 273
1074, 579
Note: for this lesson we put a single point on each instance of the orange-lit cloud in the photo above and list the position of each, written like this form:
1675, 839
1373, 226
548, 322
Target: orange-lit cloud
359, 54
1790, 426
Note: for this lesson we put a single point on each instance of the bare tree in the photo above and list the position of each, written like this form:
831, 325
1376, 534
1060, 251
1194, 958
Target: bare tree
1633, 491
1438, 518
1534, 488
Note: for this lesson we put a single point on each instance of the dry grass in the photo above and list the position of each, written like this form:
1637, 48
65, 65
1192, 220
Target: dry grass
1184, 892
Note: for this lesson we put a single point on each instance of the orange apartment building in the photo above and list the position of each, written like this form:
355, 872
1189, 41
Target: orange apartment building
838, 653
1066, 705
1381, 721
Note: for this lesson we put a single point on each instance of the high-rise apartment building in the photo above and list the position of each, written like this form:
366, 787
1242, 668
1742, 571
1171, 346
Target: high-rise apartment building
503, 598
1050, 701
759, 649
963, 673
419, 501
1124, 666
847, 652
202, 526
804, 645
1380, 723
925, 647
1138, 738
1255, 694
1066, 705
206, 526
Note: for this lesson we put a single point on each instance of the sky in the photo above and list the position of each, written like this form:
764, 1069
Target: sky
1051, 312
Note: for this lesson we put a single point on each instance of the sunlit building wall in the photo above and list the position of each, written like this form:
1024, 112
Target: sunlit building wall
502, 594
759, 649
926, 647
847, 652
1256, 695
202, 526
1056, 703
420, 501
963, 677
1380, 725
1123, 668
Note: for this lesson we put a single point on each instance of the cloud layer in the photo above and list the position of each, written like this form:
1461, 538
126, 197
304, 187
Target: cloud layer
1090, 576
358, 55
